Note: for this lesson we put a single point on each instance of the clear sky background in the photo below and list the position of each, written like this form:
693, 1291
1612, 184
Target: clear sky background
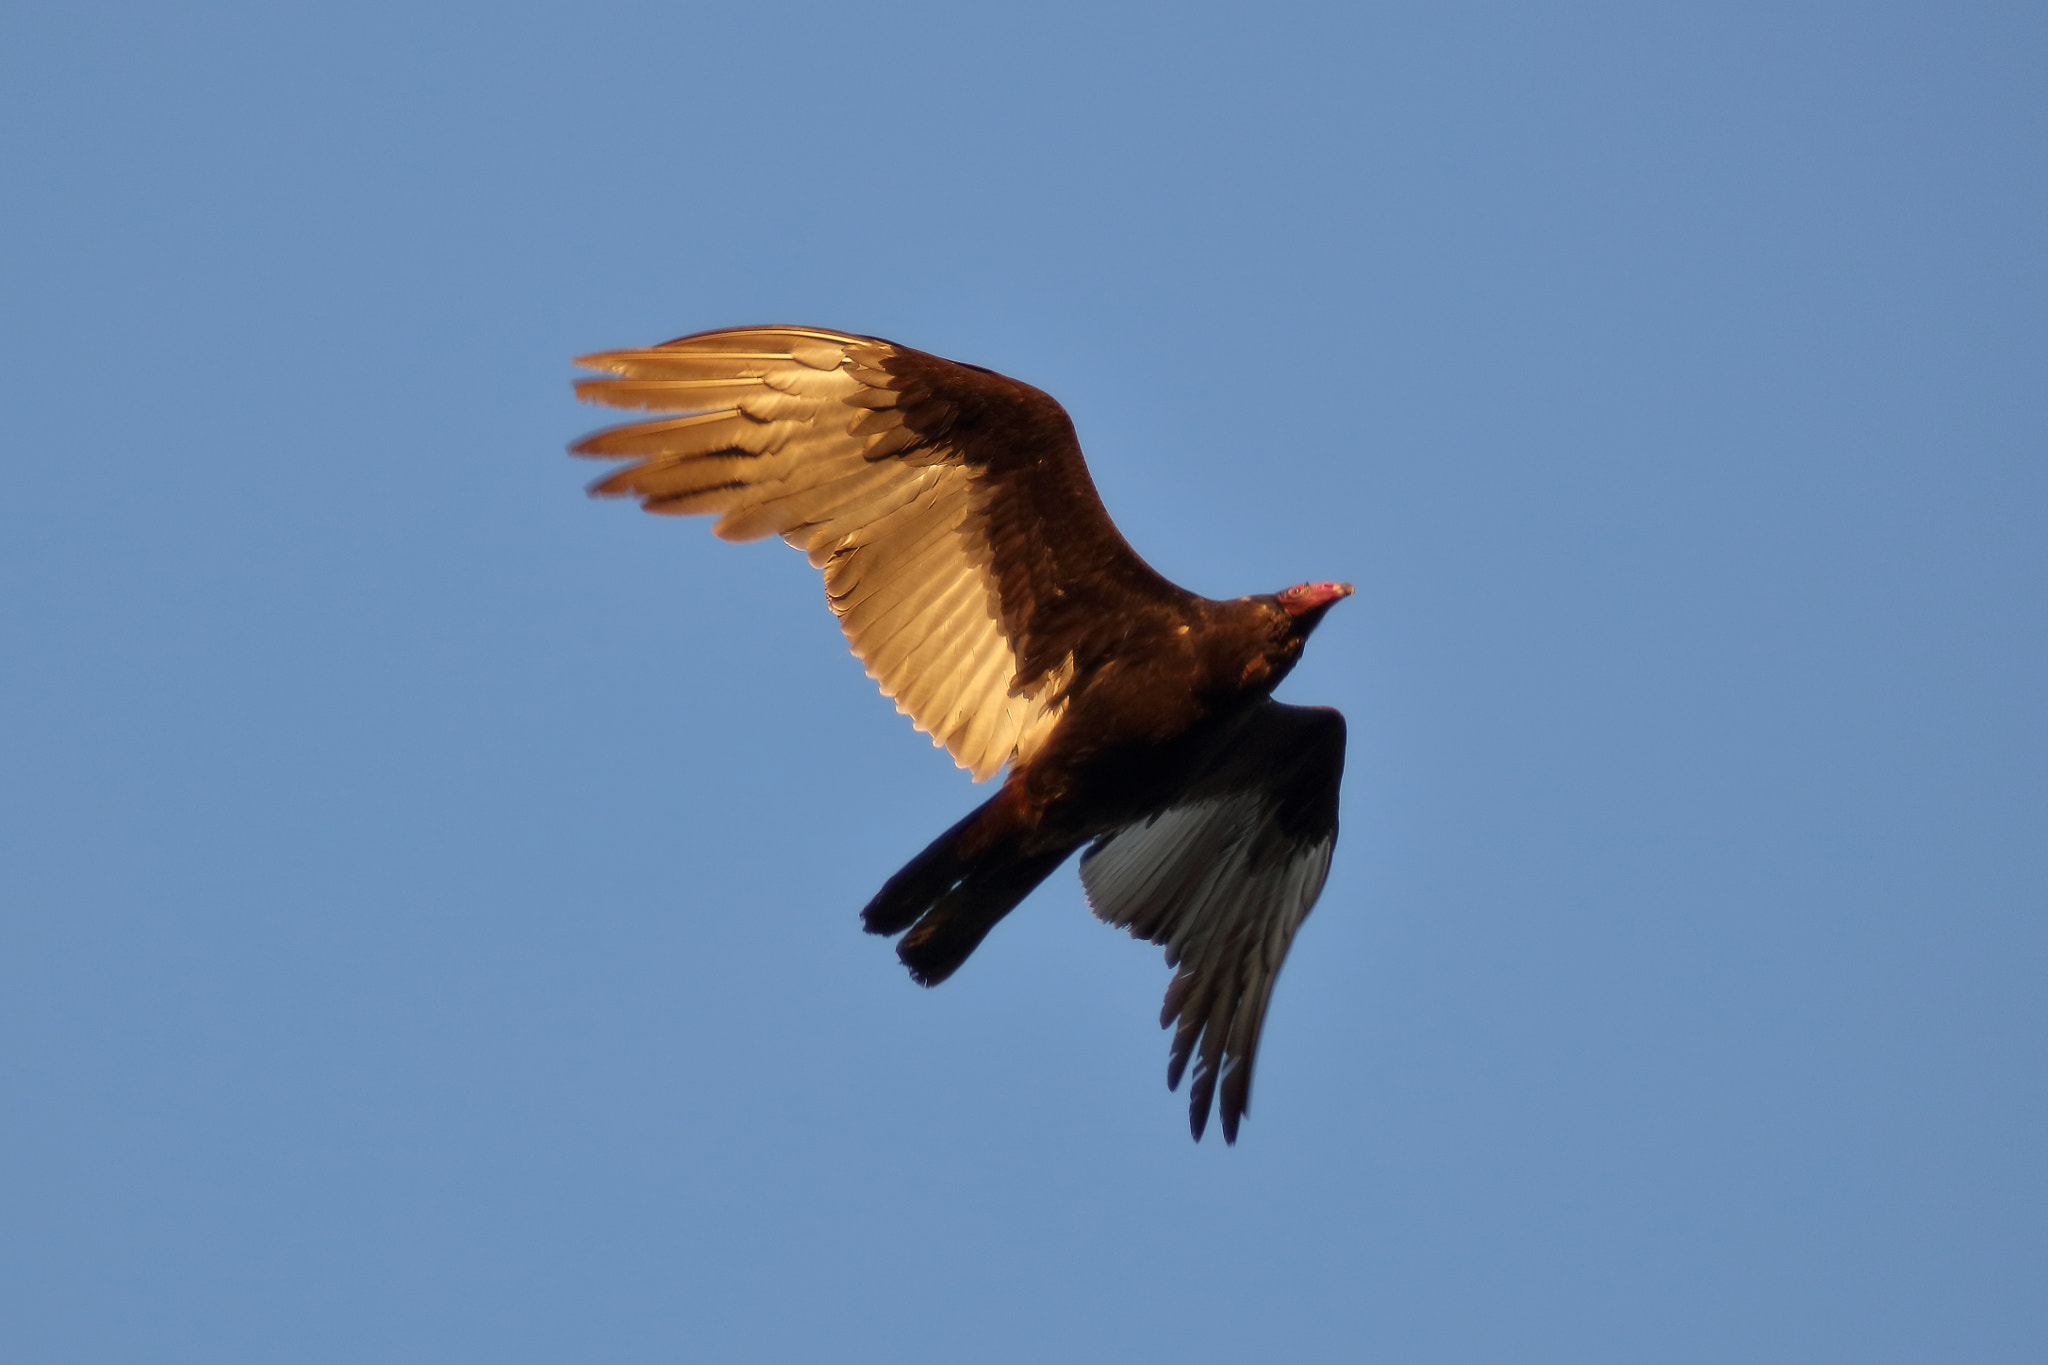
430, 896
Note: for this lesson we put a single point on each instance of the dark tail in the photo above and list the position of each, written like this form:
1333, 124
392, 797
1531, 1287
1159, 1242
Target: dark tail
953, 893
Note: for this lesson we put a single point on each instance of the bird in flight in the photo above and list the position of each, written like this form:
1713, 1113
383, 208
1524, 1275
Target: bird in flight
976, 573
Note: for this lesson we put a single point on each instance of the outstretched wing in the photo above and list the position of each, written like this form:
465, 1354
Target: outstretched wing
966, 552
1223, 878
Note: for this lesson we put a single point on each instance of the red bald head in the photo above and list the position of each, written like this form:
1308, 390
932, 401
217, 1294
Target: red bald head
1305, 597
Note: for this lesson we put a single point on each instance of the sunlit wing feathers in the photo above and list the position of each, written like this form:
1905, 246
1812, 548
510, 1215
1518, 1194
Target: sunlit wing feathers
1223, 878
965, 550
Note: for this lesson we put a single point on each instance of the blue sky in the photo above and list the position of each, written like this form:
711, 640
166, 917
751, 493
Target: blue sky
430, 897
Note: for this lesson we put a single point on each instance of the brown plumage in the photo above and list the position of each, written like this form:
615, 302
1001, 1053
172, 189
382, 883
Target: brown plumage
978, 576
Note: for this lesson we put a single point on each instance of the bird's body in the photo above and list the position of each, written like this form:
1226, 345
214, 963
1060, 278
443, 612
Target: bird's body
976, 573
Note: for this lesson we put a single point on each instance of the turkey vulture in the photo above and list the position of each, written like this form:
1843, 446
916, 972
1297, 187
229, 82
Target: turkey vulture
977, 575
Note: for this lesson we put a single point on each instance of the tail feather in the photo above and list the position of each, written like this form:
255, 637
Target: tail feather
925, 878
965, 881
955, 927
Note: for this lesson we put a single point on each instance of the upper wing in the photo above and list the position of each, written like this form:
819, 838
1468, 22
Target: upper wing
966, 552
1223, 878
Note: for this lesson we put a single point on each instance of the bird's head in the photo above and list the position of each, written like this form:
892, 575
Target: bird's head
1306, 603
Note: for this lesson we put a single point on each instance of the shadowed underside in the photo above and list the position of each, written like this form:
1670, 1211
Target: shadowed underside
976, 574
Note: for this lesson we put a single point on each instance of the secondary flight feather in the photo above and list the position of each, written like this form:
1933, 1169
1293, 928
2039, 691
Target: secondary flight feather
979, 578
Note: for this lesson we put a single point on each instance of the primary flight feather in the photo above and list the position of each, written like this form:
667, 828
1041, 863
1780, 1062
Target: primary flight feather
980, 580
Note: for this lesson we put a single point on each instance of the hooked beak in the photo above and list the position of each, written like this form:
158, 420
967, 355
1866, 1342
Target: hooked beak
1306, 597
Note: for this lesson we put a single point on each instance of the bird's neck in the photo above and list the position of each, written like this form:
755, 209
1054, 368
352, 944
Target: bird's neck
1251, 648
